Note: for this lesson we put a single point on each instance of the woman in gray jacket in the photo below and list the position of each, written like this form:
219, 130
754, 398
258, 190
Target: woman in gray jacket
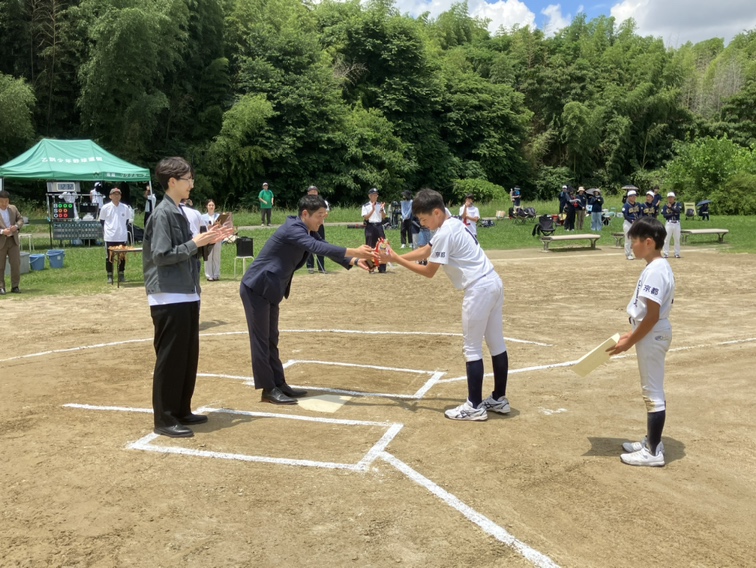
171, 278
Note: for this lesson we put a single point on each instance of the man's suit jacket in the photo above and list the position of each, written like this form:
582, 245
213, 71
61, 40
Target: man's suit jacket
15, 219
286, 251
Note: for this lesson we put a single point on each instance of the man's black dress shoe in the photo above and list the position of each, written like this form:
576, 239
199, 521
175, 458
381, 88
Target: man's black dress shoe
177, 431
293, 393
15, 290
193, 419
275, 396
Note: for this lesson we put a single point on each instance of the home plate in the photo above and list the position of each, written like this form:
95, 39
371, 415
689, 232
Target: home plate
324, 402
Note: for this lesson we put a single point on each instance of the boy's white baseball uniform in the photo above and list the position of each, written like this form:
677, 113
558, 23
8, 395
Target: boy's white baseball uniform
656, 283
472, 211
469, 269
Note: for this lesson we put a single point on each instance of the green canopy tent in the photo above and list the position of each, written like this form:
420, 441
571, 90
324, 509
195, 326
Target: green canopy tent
71, 160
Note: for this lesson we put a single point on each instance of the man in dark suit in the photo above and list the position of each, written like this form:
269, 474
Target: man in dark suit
10, 224
268, 281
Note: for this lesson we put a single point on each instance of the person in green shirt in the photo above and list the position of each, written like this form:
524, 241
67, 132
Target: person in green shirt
266, 203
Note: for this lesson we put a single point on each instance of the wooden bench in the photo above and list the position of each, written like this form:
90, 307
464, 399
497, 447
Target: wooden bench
720, 233
619, 239
556, 238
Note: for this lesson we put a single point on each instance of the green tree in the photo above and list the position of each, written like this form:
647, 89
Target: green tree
704, 167
136, 44
373, 157
236, 157
16, 108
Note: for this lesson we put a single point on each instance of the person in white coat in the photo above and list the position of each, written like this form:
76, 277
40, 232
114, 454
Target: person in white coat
213, 262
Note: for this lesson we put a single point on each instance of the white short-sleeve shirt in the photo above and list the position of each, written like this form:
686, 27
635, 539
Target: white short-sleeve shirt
195, 220
457, 250
472, 211
376, 216
114, 230
656, 283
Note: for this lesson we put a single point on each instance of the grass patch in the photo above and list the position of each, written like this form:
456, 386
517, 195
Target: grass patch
84, 267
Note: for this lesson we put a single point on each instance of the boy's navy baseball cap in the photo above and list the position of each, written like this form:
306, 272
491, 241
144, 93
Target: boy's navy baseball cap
372, 191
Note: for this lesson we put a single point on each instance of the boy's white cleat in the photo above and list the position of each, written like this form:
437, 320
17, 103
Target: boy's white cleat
643, 457
635, 446
466, 411
501, 406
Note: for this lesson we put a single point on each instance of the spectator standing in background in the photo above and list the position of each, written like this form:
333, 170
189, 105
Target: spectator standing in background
266, 203
115, 218
213, 260
580, 208
597, 210
11, 223
150, 200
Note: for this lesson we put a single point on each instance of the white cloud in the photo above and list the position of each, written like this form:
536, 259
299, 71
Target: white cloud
556, 20
505, 13
680, 21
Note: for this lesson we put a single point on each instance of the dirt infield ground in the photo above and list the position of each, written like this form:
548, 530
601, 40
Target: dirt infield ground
546, 481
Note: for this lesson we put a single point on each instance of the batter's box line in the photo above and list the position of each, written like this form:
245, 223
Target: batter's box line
373, 332
145, 443
536, 558
435, 376
614, 358
378, 450
515, 371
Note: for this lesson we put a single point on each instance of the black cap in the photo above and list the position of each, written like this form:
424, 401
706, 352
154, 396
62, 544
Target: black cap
372, 191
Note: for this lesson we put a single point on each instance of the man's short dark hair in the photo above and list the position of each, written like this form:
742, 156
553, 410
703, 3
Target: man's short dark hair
174, 167
311, 203
648, 228
4, 194
426, 201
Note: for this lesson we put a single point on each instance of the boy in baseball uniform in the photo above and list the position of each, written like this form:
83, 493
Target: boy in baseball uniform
671, 212
630, 212
470, 215
651, 334
456, 249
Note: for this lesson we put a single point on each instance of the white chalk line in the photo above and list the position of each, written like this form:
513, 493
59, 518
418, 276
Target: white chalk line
533, 556
377, 450
145, 443
72, 349
377, 332
110, 408
422, 391
514, 371
615, 358
249, 381
227, 333
291, 362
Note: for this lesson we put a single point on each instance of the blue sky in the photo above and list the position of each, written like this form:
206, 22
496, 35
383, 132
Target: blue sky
675, 21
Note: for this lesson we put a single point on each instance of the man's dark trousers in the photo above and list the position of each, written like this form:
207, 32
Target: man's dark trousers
374, 232
177, 348
262, 322
108, 262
